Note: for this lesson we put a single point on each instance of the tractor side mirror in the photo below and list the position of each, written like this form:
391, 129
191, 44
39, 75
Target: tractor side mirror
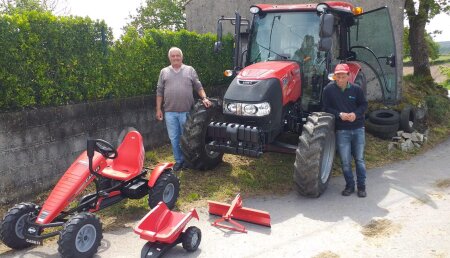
218, 44
218, 47
326, 31
326, 25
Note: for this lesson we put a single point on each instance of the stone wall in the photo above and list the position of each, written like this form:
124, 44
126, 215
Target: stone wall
37, 146
202, 15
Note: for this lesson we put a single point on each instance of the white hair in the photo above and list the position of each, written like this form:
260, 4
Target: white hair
173, 49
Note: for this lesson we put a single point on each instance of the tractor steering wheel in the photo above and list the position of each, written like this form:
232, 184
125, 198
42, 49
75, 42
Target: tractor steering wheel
106, 149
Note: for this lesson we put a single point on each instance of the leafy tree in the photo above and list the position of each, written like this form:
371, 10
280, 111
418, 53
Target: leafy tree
432, 46
159, 14
418, 18
12, 6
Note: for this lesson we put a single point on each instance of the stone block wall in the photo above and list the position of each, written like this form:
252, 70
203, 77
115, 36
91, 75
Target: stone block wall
37, 146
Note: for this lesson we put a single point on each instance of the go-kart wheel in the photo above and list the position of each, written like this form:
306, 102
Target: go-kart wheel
81, 236
166, 189
191, 239
13, 225
105, 148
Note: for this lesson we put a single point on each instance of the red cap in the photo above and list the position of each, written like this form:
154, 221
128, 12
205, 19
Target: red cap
342, 68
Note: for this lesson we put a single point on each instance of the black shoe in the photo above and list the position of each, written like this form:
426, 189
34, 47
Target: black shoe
186, 165
348, 190
362, 192
177, 166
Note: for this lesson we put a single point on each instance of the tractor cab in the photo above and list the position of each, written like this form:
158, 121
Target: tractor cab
317, 37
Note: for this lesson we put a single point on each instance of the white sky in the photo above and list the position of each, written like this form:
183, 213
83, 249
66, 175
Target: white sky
116, 12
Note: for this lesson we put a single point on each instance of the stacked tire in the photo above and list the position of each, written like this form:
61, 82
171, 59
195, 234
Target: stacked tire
385, 123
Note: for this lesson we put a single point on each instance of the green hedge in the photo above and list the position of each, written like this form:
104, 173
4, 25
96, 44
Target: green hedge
48, 61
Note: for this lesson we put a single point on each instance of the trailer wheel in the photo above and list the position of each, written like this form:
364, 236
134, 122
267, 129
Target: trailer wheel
80, 236
166, 189
315, 154
191, 239
13, 225
407, 119
193, 140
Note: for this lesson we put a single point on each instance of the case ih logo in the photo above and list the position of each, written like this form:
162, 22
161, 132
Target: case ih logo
32, 230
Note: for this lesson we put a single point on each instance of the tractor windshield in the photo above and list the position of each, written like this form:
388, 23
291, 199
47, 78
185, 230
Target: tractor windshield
284, 36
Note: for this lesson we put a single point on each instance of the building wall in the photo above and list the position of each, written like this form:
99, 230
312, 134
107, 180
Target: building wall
202, 15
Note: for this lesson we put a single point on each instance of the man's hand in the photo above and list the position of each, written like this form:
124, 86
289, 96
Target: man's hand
159, 115
347, 116
206, 102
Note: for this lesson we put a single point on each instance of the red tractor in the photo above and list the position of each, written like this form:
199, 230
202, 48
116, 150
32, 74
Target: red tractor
279, 78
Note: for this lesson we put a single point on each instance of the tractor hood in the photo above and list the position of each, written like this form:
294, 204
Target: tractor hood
266, 70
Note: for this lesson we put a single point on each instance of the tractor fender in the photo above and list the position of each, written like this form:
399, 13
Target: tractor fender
354, 70
157, 171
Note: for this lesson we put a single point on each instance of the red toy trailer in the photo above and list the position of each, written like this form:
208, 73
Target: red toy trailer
163, 229
117, 174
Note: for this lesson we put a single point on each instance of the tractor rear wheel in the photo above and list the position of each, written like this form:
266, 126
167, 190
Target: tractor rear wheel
315, 154
13, 225
193, 140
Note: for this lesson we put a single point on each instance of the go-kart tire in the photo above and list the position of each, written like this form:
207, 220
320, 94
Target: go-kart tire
11, 231
193, 140
166, 189
407, 119
382, 131
384, 117
80, 236
314, 155
191, 239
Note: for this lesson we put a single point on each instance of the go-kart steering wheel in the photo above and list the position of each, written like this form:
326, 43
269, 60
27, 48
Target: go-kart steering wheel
105, 148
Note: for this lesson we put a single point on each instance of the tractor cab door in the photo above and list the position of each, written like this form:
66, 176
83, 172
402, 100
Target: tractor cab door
371, 41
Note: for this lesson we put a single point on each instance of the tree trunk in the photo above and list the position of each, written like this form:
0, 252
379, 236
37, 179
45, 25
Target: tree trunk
419, 50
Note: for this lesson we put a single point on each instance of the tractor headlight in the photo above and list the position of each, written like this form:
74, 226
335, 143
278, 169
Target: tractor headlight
247, 109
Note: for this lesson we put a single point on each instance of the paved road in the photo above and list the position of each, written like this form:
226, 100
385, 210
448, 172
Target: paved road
406, 214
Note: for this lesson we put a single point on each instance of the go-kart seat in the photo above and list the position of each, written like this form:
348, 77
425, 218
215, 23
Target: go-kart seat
130, 159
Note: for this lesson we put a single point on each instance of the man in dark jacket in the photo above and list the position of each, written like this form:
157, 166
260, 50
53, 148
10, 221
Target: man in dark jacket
346, 101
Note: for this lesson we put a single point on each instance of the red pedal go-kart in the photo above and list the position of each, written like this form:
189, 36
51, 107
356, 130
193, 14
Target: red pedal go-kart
117, 174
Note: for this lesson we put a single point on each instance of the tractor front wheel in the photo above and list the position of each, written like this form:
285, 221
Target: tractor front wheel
80, 236
315, 154
193, 141
13, 225
166, 189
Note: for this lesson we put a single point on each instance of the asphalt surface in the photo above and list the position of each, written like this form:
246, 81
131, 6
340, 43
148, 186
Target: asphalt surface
406, 214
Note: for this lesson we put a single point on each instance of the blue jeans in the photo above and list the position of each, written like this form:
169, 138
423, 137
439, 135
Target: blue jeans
350, 143
175, 123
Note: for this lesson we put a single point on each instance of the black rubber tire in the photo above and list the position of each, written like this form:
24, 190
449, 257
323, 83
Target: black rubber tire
384, 117
145, 249
361, 81
407, 119
315, 154
382, 131
13, 221
193, 140
191, 239
85, 226
167, 186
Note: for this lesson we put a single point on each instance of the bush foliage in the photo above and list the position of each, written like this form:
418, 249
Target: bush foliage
48, 61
